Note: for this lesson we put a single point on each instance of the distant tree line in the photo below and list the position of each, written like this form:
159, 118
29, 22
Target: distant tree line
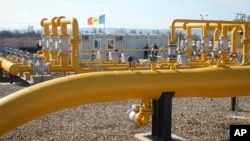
23, 37
20, 33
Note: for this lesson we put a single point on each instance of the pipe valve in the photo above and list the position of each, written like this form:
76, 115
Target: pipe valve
53, 44
188, 44
38, 66
140, 114
205, 44
64, 46
223, 45
45, 43
172, 51
132, 112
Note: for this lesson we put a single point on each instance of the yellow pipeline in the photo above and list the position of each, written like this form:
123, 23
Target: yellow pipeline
74, 25
188, 32
234, 45
45, 23
245, 39
224, 31
234, 38
245, 48
205, 34
57, 94
75, 40
55, 24
177, 24
54, 33
216, 36
189, 24
14, 68
204, 26
181, 23
225, 26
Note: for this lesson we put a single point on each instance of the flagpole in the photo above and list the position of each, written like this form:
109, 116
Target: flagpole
105, 43
104, 28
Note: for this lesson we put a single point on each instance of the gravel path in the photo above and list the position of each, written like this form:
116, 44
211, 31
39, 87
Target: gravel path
193, 119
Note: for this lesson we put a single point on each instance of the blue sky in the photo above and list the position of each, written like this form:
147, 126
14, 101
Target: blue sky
149, 14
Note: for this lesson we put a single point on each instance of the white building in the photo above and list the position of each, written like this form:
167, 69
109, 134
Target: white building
129, 43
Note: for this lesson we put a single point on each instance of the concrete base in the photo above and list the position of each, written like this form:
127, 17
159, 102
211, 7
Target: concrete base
34, 79
239, 117
148, 137
26, 76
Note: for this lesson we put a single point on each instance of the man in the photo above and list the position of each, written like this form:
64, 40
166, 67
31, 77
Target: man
146, 51
156, 49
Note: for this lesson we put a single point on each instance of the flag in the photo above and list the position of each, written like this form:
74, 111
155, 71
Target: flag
102, 19
96, 20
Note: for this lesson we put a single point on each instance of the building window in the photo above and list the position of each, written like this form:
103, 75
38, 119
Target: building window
111, 44
97, 44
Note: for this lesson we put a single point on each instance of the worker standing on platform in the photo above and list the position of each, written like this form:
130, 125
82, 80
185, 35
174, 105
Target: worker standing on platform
146, 51
156, 49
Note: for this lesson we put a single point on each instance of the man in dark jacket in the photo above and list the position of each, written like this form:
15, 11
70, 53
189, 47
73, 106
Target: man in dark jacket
146, 51
156, 49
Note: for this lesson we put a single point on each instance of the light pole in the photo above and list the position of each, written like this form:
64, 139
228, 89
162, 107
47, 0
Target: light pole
202, 16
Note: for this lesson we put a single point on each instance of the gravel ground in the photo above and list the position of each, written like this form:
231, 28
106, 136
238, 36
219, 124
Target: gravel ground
192, 119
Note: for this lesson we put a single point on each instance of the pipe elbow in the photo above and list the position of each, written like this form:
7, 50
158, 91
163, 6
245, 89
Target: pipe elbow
42, 23
56, 21
75, 29
45, 24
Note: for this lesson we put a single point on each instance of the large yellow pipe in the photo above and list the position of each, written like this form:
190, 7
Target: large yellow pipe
57, 94
14, 68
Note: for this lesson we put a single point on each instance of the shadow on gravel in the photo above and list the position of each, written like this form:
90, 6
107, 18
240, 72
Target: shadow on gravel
16, 80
